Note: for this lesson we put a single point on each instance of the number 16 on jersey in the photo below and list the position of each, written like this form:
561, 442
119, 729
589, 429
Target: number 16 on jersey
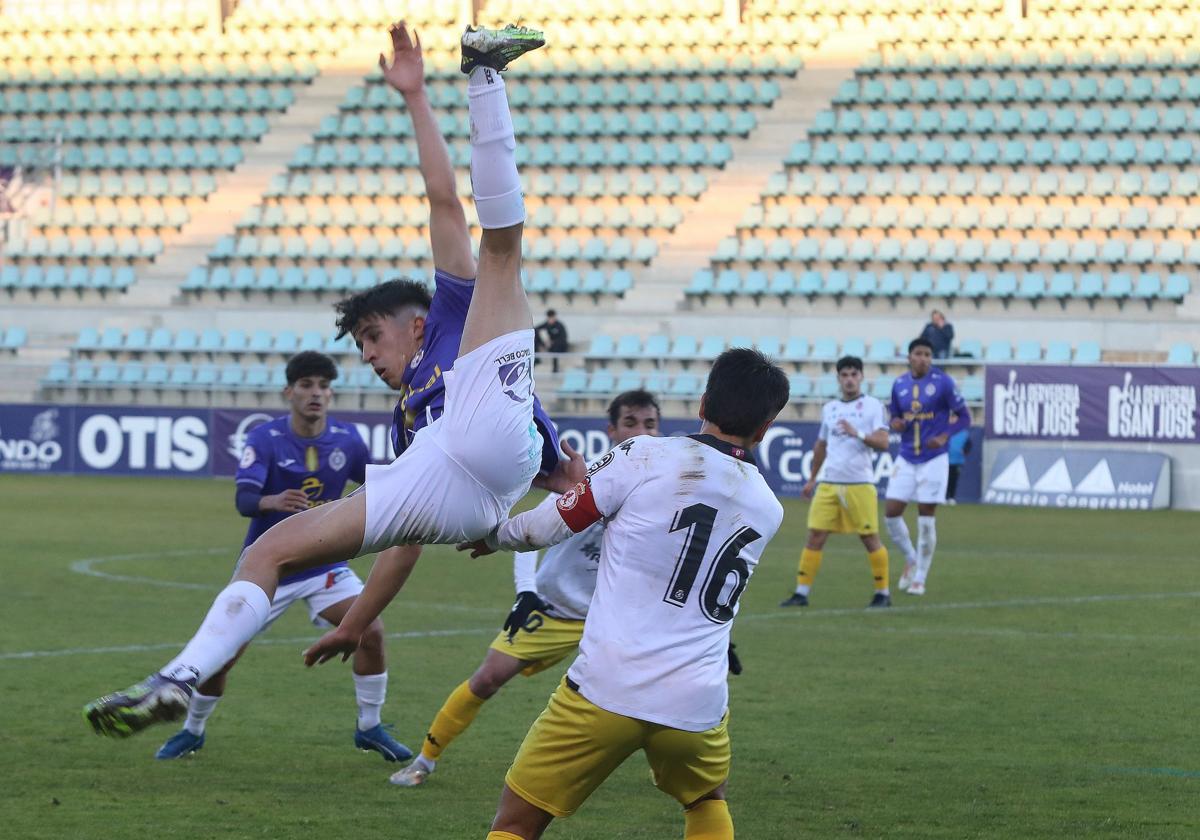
727, 574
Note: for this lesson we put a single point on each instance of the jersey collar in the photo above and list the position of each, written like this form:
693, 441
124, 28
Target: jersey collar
725, 448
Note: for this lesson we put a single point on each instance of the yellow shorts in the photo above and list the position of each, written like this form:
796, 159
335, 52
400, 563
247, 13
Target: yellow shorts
574, 745
548, 642
845, 509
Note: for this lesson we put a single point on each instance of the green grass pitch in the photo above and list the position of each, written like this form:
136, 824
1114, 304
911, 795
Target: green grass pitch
1045, 687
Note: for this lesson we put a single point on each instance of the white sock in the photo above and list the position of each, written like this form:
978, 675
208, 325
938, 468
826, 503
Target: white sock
370, 690
926, 543
898, 531
426, 764
495, 182
803, 589
236, 617
200, 707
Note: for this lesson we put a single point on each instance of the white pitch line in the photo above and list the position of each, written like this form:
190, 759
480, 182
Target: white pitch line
808, 613
267, 640
87, 566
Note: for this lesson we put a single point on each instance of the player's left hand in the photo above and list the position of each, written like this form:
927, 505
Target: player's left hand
527, 603
937, 441
735, 664
569, 472
479, 548
337, 641
407, 71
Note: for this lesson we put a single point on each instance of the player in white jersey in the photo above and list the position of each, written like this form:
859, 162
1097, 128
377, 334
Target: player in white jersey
846, 501
546, 622
458, 479
686, 521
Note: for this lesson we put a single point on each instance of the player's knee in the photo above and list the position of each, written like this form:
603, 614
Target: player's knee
717, 793
485, 683
372, 638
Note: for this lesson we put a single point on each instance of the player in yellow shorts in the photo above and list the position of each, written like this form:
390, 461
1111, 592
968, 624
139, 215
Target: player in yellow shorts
846, 501
546, 622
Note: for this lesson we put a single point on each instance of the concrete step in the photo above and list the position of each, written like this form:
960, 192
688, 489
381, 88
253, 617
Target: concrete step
740, 184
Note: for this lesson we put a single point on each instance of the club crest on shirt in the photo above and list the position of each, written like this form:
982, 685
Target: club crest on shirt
930, 389
247, 456
337, 460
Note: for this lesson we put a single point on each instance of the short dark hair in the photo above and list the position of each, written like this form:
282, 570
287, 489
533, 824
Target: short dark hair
550, 313
849, 362
310, 363
383, 300
920, 341
637, 398
745, 391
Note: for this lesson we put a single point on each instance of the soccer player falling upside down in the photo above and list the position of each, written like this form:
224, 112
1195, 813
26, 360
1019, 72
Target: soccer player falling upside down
456, 480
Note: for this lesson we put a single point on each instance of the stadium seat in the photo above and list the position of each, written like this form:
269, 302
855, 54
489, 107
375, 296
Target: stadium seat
1181, 354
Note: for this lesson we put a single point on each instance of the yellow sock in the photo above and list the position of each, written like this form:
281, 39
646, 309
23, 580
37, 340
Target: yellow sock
503, 835
709, 820
452, 719
879, 567
810, 562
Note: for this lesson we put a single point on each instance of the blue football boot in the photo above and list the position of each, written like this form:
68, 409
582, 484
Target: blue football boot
379, 739
180, 744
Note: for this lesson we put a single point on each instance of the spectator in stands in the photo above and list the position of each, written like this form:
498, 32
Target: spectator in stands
940, 333
958, 448
551, 336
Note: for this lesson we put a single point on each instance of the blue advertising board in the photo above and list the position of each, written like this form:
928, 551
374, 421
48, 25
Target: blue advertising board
146, 440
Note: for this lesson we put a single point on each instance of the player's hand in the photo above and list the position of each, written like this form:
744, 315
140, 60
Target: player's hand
806, 492
289, 501
478, 548
337, 642
569, 472
735, 664
897, 424
937, 441
527, 603
847, 428
407, 71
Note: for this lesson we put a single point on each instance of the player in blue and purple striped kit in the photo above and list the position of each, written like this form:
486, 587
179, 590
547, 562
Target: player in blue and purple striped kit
926, 410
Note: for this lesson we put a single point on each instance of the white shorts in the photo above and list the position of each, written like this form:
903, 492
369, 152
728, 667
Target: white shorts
320, 592
462, 474
923, 483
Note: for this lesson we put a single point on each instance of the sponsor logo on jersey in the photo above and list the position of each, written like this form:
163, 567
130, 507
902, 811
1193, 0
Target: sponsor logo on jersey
603, 462
313, 487
515, 380
417, 359
248, 456
337, 460
284, 464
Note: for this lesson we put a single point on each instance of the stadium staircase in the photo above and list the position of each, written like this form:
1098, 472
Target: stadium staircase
740, 183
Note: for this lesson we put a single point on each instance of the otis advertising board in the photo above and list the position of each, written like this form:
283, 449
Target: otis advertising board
140, 440
1109, 403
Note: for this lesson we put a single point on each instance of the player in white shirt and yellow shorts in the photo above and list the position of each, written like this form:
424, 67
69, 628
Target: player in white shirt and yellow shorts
546, 622
845, 501
686, 522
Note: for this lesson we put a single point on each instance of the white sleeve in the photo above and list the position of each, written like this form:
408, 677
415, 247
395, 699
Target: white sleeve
525, 571
881, 421
531, 530
823, 432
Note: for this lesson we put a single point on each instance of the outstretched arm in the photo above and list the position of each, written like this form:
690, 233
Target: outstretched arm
448, 233
388, 576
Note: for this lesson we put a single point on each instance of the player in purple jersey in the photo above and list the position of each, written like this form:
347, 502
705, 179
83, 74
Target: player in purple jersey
926, 410
290, 464
460, 476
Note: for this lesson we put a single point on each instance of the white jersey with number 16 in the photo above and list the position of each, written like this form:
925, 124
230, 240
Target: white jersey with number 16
687, 519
